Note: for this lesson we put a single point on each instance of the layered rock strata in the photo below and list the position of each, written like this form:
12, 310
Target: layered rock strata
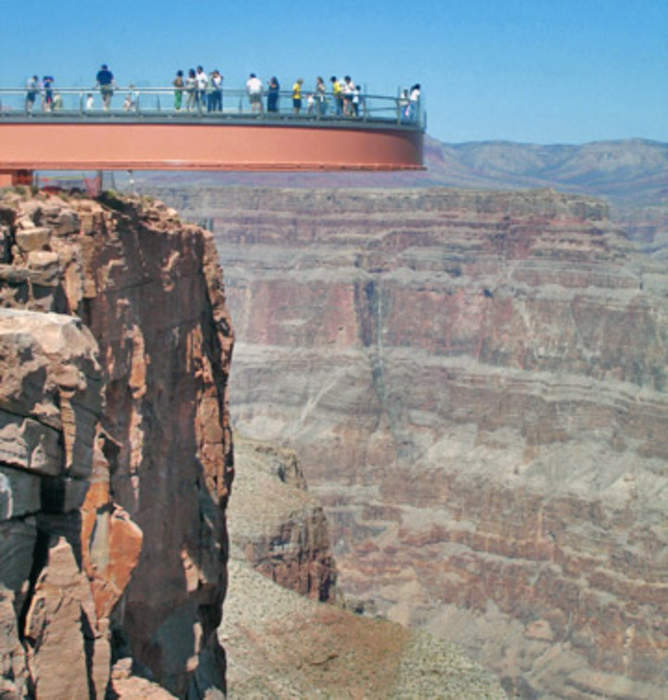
475, 385
115, 450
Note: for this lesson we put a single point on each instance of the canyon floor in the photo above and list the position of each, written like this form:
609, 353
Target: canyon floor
282, 644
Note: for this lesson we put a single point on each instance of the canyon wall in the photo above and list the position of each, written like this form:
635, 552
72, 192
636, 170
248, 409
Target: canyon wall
474, 383
115, 450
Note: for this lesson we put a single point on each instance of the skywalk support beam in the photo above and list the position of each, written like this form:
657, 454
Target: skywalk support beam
252, 145
9, 178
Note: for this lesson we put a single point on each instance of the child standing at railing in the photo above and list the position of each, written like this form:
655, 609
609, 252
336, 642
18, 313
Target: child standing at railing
130, 102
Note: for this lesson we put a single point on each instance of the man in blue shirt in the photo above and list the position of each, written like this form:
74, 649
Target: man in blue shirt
105, 81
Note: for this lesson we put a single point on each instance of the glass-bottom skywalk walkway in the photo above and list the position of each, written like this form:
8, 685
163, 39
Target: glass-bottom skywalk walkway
140, 129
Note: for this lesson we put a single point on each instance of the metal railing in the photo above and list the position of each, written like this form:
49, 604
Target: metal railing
158, 103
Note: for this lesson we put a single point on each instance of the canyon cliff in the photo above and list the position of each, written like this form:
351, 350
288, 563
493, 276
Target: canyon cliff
115, 450
474, 383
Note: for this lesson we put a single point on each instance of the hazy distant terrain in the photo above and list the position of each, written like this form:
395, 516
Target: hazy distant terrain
629, 171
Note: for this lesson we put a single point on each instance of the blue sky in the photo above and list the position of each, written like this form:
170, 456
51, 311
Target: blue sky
557, 71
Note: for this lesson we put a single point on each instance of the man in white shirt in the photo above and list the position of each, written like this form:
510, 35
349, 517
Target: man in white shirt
254, 90
415, 101
202, 82
348, 91
32, 88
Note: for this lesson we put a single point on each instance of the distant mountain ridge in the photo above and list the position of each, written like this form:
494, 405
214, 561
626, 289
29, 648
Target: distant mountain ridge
633, 169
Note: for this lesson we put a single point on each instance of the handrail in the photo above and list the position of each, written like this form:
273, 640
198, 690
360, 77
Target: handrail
162, 102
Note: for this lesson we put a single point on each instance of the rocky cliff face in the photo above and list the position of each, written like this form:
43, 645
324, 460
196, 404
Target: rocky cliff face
276, 525
475, 385
115, 450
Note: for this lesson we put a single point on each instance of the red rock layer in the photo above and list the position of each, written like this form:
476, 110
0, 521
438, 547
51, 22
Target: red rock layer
151, 528
474, 383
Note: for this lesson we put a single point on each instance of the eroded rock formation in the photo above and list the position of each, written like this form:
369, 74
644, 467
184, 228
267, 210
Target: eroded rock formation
280, 528
475, 385
115, 450
283, 645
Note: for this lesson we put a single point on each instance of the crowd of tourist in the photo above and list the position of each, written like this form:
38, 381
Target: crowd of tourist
204, 91
344, 99
345, 96
52, 101
43, 88
198, 91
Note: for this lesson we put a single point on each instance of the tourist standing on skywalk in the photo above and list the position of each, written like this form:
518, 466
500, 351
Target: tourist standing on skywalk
273, 94
254, 89
297, 95
105, 81
202, 83
178, 84
320, 95
191, 89
337, 93
47, 96
32, 88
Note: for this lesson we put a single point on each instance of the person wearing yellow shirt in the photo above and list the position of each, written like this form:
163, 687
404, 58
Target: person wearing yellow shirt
297, 95
337, 92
